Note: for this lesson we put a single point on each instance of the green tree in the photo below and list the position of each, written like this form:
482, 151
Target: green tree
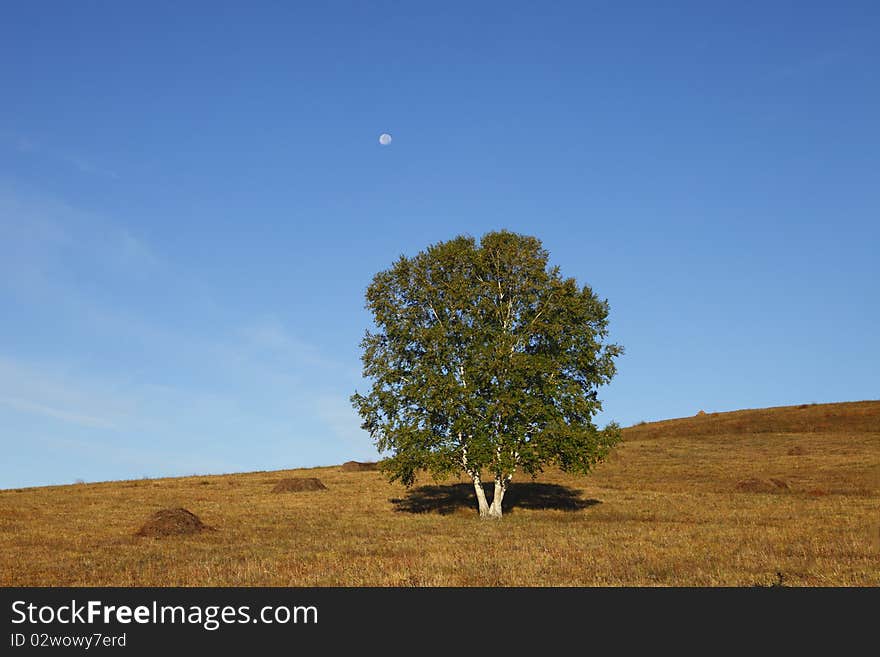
485, 361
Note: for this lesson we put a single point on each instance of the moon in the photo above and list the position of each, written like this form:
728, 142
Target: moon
384, 139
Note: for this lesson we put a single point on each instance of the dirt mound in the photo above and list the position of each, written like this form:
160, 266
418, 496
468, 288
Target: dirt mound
298, 485
797, 450
172, 522
357, 466
755, 485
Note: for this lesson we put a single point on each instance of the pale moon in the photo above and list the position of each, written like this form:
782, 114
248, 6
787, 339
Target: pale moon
384, 139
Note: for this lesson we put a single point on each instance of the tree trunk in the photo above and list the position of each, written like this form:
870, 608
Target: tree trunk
500, 489
481, 497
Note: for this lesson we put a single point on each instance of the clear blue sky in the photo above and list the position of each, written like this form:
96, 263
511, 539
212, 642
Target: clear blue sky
193, 200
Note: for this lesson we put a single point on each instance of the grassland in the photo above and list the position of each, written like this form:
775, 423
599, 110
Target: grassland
664, 510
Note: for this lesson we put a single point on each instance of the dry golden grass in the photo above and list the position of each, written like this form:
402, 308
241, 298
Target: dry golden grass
663, 511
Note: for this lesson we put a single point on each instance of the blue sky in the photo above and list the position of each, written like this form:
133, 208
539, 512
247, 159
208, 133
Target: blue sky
193, 200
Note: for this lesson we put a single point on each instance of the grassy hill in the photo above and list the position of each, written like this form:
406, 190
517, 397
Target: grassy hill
785, 495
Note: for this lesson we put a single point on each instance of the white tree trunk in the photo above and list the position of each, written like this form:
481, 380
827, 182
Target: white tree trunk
481, 497
500, 488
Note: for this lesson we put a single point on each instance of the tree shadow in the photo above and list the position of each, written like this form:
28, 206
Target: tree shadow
451, 498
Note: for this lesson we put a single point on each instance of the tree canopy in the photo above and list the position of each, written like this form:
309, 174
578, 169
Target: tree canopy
485, 360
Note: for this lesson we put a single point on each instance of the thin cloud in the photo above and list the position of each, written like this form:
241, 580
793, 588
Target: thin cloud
339, 415
87, 167
270, 337
181, 390
815, 64
130, 252
28, 146
41, 234
27, 406
54, 391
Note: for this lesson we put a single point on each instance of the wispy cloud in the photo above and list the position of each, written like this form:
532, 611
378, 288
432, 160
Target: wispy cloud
269, 337
21, 143
815, 64
73, 417
29, 146
188, 381
52, 391
130, 252
341, 418
87, 167
42, 235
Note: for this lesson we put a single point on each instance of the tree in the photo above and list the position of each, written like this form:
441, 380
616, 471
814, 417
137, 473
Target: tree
485, 361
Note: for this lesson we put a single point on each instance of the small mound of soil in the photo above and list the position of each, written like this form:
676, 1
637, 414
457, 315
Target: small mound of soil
298, 485
173, 522
357, 466
755, 485
797, 450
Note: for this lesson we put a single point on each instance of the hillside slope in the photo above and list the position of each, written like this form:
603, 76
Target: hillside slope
859, 417
788, 494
